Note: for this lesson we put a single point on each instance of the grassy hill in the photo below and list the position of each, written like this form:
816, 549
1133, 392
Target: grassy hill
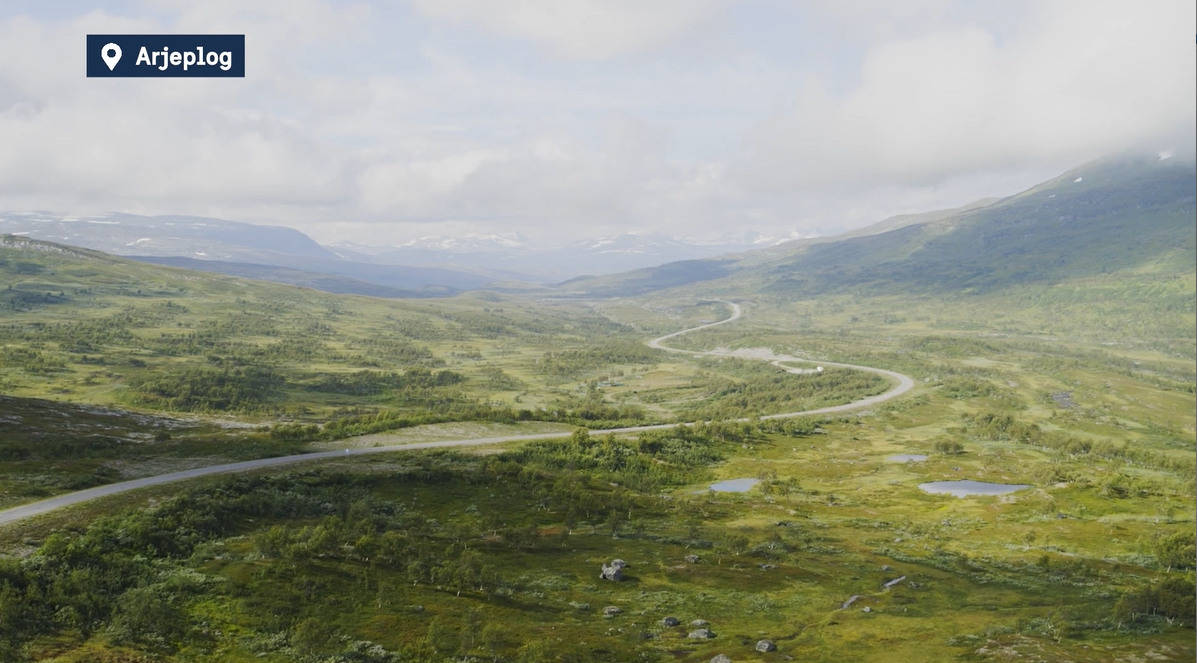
268, 253
82, 326
1103, 218
1116, 215
334, 283
86, 326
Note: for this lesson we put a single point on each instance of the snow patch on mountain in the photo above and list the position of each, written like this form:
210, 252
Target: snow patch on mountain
468, 242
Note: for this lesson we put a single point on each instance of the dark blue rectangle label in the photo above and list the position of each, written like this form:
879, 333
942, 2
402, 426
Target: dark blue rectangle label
165, 56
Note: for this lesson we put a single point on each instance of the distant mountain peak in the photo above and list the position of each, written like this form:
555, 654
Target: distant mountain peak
468, 242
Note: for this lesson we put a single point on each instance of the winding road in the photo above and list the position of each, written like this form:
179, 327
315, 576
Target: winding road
26, 511
904, 382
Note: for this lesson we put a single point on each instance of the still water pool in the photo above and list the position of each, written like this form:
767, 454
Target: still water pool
734, 485
968, 487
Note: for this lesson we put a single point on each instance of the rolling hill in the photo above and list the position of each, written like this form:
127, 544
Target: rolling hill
1107, 216
268, 253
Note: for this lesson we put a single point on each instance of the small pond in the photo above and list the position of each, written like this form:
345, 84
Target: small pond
968, 487
734, 485
904, 458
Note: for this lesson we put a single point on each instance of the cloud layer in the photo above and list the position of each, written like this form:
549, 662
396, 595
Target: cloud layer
581, 117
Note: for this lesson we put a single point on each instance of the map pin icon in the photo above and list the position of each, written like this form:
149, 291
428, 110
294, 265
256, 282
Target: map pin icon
111, 53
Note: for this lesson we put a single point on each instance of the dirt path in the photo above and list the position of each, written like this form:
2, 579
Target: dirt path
25, 511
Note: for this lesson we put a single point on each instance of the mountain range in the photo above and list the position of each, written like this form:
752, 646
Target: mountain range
1109, 215
270, 253
428, 266
595, 256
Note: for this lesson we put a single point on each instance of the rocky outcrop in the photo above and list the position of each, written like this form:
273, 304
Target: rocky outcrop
613, 571
893, 582
670, 622
701, 634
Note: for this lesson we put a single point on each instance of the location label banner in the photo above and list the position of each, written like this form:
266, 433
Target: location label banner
165, 56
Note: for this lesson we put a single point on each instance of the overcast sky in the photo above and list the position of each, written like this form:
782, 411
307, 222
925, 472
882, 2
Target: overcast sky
384, 121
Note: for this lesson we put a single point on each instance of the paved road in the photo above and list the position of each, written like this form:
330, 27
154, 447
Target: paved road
45, 506
659, 342
23, 512
903, 384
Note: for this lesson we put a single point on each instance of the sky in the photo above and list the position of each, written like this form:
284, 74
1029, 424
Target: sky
381, 122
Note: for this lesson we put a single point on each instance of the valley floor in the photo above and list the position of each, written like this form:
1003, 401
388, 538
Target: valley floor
440, 555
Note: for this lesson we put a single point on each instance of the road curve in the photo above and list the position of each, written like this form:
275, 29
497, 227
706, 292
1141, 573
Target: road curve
26, 511
904, 383
659, 342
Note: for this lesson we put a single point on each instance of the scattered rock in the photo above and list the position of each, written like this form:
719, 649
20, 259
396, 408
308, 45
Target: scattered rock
613, 571
765, 646
866, 609
700, 634
912, 585
886, 568
611, 610
1064, 400
692, 559
697, 623
768, 567
670, 621
721, 658
893, 582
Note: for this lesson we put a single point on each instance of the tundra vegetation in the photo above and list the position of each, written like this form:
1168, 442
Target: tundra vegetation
495, 555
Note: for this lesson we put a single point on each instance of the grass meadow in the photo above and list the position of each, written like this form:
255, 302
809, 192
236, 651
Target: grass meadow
494, 555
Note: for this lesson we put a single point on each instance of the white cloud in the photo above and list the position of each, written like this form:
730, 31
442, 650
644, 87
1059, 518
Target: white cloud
696, 118
579, 28
1079, 80
85, 143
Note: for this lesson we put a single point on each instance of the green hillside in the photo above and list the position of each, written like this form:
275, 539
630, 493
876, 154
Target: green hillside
85, 326
649, 279
1102, 218
1116, 215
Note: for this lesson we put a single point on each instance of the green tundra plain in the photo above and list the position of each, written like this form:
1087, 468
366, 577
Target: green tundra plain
1079, 386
